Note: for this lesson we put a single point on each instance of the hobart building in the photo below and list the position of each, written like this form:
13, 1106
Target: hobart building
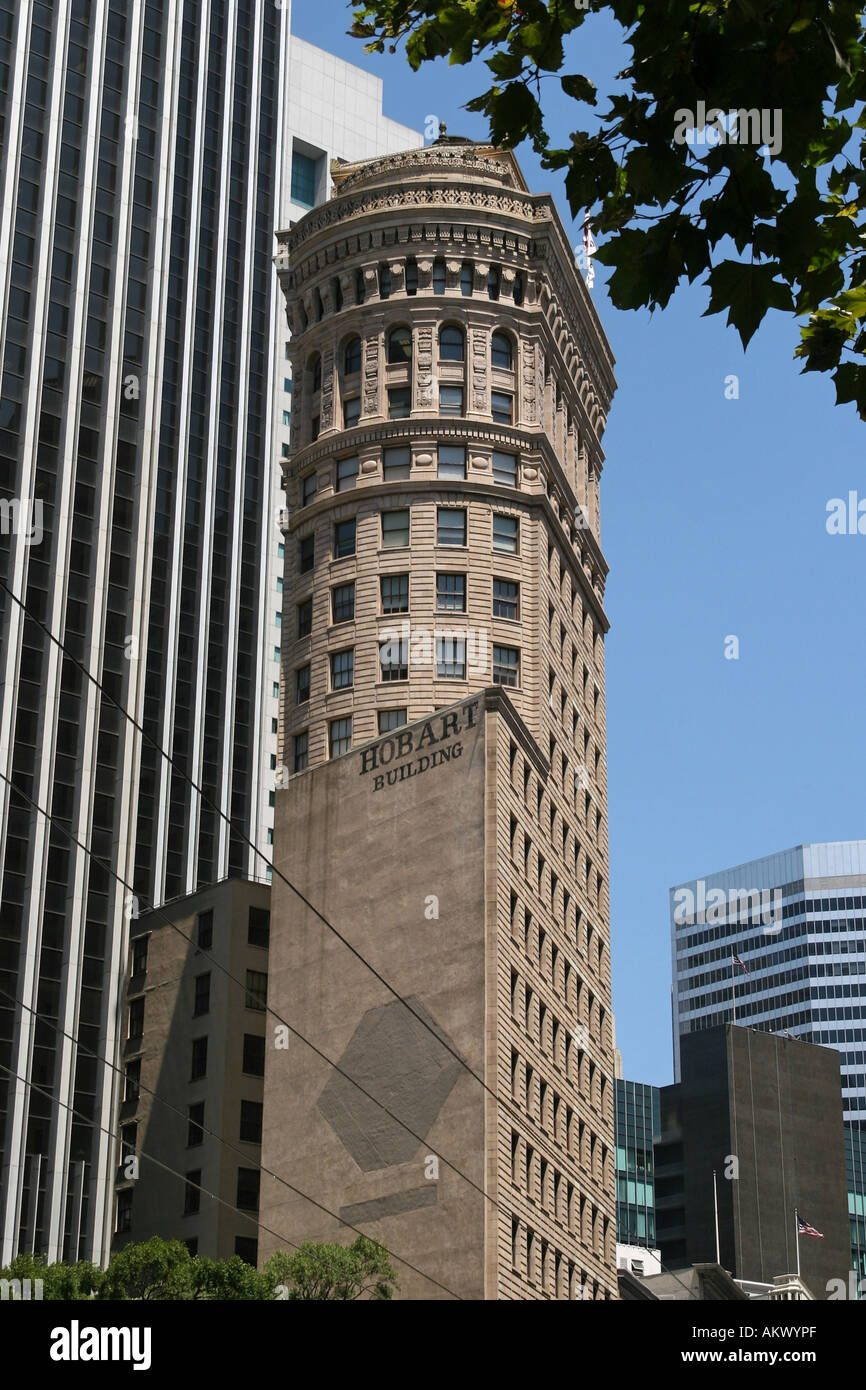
442, 806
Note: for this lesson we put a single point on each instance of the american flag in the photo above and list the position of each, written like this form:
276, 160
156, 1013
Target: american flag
806, 1230
736, 959
589, 250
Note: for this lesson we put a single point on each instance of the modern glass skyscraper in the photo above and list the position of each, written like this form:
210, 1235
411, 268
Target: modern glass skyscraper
637, 1122
145, 150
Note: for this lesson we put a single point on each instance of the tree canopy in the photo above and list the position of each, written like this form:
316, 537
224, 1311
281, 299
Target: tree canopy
734, 153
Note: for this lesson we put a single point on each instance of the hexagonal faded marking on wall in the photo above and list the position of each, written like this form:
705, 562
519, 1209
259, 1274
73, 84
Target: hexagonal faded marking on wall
404, 1066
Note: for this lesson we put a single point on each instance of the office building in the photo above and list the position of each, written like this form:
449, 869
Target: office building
443, 739
636, 1127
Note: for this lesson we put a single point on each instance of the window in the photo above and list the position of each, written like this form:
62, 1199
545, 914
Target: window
451, 593
301, 751
139, 955
391, 719
258, 926
204, 929
128, 1141
352, 357
343, 603
257, 990
347, 473
452, 461
192, 1193
344, 538
399, 402
501, 407
247, 1198
315, 366
343, 669
351, 412
247, 1249
308, 488
254, 1055
251, 1121
314, 428
504, 468
395, 593
136, 1018
505, 533
438, 277
411, 275
399, 345
394, 660
124, 1211
339, 737
493, 282
467, 278
451, 343
195, 1125
306, 553
201, 1001
132, 1080
396, 464
506, 665
384, 281
501, 351
302, 684
450, 526
305, 619
506, 599
303, 179
451, 658
450, 400
395, 529
198, 1067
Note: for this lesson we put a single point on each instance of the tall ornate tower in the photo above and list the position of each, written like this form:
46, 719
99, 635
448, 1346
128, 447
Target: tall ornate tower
443, 794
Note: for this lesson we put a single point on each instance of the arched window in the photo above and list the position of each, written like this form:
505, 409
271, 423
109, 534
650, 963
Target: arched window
438, 277
400, 345
452, 343
384, 281
315, 366
467, 277
500, 351
359, 287
411, 276
352, 356
493, 282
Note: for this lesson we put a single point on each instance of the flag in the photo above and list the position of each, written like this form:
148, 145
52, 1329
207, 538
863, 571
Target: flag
589, 250
736, 959
806, 1230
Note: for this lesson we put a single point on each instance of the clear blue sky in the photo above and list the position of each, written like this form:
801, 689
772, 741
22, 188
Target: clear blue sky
713, 523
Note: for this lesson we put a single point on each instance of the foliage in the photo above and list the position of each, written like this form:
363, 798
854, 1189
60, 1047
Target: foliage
780, 230
59, 1281
348, 1272
151, 1269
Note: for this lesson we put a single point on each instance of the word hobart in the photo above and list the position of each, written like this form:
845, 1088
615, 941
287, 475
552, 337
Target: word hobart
77, 1343
409, 741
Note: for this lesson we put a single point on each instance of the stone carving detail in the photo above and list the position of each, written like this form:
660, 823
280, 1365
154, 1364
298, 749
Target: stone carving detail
530, 414
347, 286
398, 276
371, 375
479, 369
424, 368
371, 283
425, 274
432, 157
397, 197
326, 411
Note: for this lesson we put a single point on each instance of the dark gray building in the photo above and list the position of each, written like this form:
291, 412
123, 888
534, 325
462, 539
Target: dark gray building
765, 1113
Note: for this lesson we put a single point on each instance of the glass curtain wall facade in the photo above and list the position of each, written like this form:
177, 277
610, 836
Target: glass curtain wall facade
637, 1122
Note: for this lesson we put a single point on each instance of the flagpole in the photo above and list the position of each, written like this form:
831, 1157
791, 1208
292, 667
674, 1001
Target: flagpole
733, 988
797, 1230
716, 1211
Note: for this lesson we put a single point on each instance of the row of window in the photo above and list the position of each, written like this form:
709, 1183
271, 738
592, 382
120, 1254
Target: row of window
450, 663
397, 467
541, 1265
305, 184
398, 351
451, 588
395, 534
543, 1182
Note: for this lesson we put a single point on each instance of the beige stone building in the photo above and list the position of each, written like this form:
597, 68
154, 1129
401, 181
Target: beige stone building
443, 740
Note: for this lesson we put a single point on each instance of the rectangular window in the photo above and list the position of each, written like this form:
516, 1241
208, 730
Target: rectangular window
195, 1125
251, 1121
505, 533
247, 1249
450, 400
451, 658
314, 427
351, 412
391, 719
302, 685
343, 603
124, 1211
451, 593
132, 1081
450, 526
395, 529
501, 407
339, 737
395, 593
306, 553
136, 1018
254, 1055
201, 1001
257, 990
506, 665
452, 461
301, 751
248, 1189
192, 1193
506, 599
259, 926
343, 669
303, 179
394, 660
399, 402
396, 464
139, 955
198, 1067
347, 473
504, 468
308, 488
204, 929
305, 617
344, 539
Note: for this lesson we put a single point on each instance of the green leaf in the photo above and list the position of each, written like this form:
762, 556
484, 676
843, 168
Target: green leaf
747, 292
579, 87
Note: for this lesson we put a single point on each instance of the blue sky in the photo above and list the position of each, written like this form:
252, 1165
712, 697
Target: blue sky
713, 524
